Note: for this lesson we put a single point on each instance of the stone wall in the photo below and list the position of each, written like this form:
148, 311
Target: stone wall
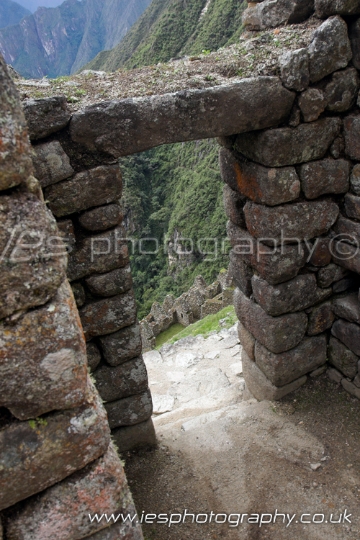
57, 461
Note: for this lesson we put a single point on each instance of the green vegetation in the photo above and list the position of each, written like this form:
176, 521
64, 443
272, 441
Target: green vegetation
165, 336
171, 190
208, 324
172, 28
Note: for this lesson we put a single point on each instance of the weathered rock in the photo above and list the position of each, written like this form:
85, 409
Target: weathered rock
125, 531
130, 437
50, 449
294, 295
288, 146
129, 411
325, 176
355, 180
122, 345
112, 283
275, 264
46, 116
334, 375
99, 253
348, 307
347, 256
95, 186
33, 256
341, 91
349, 230
355, 42
247, 341
273, 13
93, 355
113, 127
241, 273
319, 371
351, 388
347, 284
288, 366
328, 275
320, 254
109, 315
312, 103
278, 334
15, 160
357, 380
329, 49
79, 294
43, 359
228, 167
320, 319
349, 334
352, 206
100, 487
337, 148
294, 68
260, 387
295, 117
292, 222
326, 8
267, 186
234, 203
102, 218
51, 164
121, 381
352, 136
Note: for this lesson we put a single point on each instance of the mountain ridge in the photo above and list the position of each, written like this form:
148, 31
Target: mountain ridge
11, 13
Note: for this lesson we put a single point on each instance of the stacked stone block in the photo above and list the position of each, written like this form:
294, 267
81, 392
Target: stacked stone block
293, 207
57, 462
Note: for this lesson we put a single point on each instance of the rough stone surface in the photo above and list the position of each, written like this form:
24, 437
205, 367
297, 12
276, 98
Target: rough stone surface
292, 222
125, 531
289, 146
267, 186
108, 315
325, 176
93, 355
48, 450
97, 186
330, 274
98, 254
273, 13
115, 282
334, 375
129, 411
228, 167
330, 49
347, 256
320, 253
337, 148
341, 91
122, 345
79, 294
43, 359
247, 341
288, 366
320, 319
352, 136
241, 273
278, 334
98, 488
294, 68
130, 437
260, 387
121, 381
355, 180
349, 283
294, 295
233, 204
351, 388
348, 333
352, 206
276, 265
312, 103
349, 230
114, 127
326, 8
102, 218
33, 256
355, 42
15, 161
348, 307
51, 164
46, 116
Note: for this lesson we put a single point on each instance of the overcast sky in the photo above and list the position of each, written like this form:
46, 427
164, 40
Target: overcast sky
32, 5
